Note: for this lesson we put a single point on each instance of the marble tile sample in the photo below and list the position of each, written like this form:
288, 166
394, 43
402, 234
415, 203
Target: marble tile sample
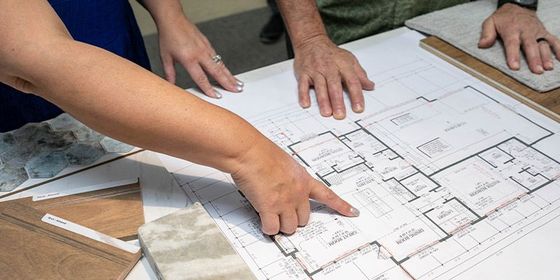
43, 150
187, 244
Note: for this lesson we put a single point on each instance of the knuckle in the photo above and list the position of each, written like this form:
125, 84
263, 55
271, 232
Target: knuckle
330, 195
353, 83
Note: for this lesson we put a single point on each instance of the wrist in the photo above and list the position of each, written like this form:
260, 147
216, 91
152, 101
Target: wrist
172, 20
311, 40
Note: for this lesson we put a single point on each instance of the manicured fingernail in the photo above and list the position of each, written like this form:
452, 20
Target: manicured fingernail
239, 88
358, 108
239, 83
217, 94
355, 212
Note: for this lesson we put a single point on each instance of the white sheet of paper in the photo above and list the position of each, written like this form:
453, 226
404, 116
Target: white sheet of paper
454, 180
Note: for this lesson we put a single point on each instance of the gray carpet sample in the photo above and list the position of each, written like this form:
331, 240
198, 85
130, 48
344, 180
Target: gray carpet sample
461, 26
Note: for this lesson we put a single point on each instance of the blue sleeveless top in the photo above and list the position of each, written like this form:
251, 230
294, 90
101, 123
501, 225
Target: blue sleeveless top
108, 24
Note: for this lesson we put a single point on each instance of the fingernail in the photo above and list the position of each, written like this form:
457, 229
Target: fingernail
338, 114
304, 105
217, 94
358, 108
355, 212
540, 69
239, 88
239, 83
515, 65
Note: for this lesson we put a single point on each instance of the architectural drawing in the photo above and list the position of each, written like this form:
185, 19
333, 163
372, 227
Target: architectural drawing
445, 170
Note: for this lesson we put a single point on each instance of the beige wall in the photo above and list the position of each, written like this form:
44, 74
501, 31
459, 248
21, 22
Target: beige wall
199, 11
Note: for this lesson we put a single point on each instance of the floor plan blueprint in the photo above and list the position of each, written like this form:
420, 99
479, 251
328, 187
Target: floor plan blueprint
448, 173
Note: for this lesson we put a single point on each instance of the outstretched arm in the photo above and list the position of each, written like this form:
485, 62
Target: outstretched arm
124, 101
320, 64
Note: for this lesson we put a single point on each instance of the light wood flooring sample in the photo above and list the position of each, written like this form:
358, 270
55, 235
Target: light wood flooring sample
117, 211
34, 249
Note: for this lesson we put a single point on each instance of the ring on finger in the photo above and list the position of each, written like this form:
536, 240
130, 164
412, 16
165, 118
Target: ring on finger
542, 39
217, 59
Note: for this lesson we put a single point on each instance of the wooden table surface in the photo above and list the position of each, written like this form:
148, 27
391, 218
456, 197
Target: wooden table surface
547, 103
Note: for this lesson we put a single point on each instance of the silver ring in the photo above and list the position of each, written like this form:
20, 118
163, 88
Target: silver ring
217, 59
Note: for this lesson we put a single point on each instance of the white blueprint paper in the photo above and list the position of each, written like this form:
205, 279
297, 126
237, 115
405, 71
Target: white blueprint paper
454, 180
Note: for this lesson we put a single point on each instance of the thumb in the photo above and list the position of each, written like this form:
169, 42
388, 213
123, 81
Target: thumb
488, 35
322, 194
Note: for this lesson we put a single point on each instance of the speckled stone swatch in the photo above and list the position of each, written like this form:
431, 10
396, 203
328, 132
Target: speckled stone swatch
43, 150
188, 244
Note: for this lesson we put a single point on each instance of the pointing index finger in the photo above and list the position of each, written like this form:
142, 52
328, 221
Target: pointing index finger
322, 194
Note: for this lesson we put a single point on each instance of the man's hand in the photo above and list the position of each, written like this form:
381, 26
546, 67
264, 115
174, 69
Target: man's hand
326, 67
183, 43
280, 189
520, 28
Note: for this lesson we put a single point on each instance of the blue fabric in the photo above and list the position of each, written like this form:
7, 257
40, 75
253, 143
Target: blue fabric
108, 24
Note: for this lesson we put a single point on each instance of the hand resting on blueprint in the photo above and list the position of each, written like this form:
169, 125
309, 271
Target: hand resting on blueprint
181, 42
125, 101
320, 64
520, 28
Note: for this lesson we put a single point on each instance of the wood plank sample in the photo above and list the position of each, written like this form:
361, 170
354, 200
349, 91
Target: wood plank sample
547, 103
116, 211
33, 249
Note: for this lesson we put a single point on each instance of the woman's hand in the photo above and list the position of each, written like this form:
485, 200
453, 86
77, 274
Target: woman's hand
280, 189
181, 42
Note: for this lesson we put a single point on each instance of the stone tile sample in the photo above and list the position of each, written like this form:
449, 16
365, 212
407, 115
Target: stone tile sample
188, 244
45, 149
113, 146
84, 153
46, 165
10, 176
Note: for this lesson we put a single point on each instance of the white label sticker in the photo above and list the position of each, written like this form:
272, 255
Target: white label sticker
89, 233
46, 196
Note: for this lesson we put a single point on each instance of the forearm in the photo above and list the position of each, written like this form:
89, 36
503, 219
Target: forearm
303, 21
164, 12
120, 99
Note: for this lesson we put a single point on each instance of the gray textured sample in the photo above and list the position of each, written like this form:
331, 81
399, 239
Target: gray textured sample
113, 146
18, 155
84, 153
6, 141
45, 149
46, 165
188, 244
84, 133
10, 176
461, 25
